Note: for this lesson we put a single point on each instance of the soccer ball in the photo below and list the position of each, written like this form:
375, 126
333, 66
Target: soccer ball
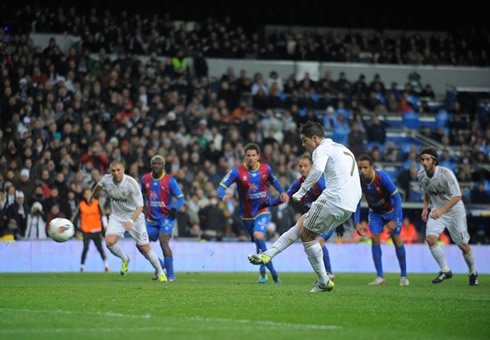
61, 229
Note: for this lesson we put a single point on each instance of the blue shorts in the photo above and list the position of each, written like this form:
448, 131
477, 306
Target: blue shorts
377, 222
327, 235
259, 224
164, 226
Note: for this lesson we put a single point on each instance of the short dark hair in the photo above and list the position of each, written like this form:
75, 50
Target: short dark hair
366, 157
306, 156
310, 129
252, 146
431, 152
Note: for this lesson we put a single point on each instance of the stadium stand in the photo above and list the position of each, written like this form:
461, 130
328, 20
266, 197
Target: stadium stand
124, 86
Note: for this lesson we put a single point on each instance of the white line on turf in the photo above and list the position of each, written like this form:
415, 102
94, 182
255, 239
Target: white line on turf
268, 323
59, 311
85, 330
197, 318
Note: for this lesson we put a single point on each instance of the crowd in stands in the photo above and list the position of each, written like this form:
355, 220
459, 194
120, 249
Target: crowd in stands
65, 117
145, 33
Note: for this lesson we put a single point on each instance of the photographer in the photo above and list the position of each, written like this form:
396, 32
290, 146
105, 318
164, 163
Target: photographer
36, 225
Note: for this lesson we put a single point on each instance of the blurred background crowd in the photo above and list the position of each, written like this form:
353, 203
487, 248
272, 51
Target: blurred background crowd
66, 115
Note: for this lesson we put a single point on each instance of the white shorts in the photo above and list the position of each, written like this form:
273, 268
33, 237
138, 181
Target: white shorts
138, 231
324, 216
455, 222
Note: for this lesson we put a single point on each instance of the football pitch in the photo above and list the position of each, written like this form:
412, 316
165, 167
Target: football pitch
234, 306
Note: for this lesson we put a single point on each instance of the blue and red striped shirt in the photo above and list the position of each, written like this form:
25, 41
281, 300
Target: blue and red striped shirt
158, 195
252, 186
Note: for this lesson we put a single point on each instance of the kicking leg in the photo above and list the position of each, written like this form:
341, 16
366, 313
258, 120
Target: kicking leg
260, 242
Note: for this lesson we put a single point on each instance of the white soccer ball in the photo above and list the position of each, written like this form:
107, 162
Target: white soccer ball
61, 229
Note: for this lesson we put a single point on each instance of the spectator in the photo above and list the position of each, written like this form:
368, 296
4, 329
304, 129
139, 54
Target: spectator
409, 234
213, 221
200, 65
18, 212
25, 184
186, 227
479, 195
376, 132
36, 225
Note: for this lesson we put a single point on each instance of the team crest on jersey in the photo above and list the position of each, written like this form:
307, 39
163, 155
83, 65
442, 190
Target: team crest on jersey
244, 178
163, 187
147, 185
263, 222
123, 193
264, 175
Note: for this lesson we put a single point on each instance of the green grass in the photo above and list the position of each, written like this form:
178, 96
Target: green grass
234, 306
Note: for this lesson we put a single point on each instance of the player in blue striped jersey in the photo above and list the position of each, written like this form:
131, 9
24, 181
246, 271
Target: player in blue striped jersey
158, 188
385, 209
253, 179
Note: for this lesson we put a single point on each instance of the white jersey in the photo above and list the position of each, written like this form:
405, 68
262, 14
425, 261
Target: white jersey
338, 165
441, 187
125, 196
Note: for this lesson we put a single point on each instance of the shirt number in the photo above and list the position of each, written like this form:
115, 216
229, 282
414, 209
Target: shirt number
353, 162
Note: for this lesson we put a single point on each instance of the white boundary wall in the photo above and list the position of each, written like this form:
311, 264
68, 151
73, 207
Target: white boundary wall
49, 256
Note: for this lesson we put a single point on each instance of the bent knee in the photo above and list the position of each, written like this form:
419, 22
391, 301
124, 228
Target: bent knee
145, 248
431, 240
258, 236
376, 238
307, 235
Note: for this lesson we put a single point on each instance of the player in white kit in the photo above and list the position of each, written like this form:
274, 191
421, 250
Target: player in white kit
127, 206
447, 211
331, 209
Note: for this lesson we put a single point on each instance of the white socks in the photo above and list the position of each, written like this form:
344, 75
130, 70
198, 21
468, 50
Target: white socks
315, 256
286, 239
439, 256
470, 261
117, 251
152, 257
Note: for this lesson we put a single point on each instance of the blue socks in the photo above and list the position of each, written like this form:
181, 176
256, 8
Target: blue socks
326, 259
169, 266
261, 246
377, 260
400, 254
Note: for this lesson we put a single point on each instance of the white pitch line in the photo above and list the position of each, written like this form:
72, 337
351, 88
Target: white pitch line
84, 330
197, 318
59, 311
269, 323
